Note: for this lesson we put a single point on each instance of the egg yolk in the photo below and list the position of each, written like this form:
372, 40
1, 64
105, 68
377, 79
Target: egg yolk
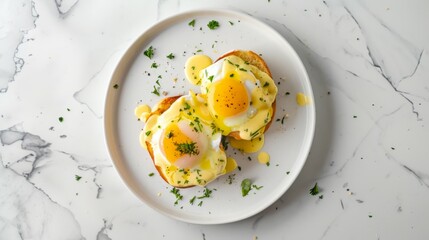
176, 144
229, 96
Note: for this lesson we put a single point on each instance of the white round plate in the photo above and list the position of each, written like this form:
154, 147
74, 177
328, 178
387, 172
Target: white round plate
287, 141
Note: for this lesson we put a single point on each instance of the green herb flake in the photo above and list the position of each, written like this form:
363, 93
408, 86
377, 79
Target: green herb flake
187, 148
177, 194
170, 56
314, 190
192, 200
206, 194
68, 110
148, 133
231, 23
246, 185
116, 86
266, 84
155, 91
213, 24
61, 119
151, 174
192, 23
77, 177
231, 75
200, 203
154, 65
149, 52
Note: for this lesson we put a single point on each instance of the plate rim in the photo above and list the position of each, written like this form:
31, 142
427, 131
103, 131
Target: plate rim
119, 71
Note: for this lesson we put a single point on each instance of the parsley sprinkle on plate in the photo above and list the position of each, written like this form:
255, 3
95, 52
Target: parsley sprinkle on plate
213, 24
149, 52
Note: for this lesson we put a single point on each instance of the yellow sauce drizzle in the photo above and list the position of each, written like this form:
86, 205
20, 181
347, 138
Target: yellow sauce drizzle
194, 65
248, 146
263, 158
302, 99
231, 164
142, 112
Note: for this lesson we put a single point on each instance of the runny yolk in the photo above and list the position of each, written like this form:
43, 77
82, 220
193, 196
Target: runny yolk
172, 139
228, 97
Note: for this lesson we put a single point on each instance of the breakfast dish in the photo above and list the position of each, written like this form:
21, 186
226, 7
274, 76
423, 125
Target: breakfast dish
241, 173
183, 134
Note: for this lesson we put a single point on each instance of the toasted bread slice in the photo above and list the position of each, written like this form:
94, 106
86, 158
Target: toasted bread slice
253, 59
161, 107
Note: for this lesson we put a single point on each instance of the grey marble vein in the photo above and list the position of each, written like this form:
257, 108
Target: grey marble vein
376, 125
396, 58
97, 170
11, 61
64, 7
19, 208
102, 235
421, 177
26, 165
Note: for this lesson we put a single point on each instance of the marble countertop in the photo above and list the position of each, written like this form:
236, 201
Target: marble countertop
368, 64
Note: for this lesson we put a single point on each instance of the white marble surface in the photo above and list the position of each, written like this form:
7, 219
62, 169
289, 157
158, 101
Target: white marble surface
368, 62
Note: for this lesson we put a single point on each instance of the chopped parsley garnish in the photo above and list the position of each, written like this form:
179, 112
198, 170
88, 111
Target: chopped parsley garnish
192, 200
155, 90
154, 65
170, 134
246, 185
187, 106
68, 109
151, 174
116, 86
206, 194
192, 23
148, 133
257, 187
149, 52
77, 177
177, 194
61, 119
231, 23
266, 84
211, 78
231, 75
314, 190
231, 179
187, 148
170, 56
200, 203
242, 69
213, 24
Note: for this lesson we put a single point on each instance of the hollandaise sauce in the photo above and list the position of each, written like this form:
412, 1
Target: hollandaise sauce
194, 65
264, 158
248, 146
302, 99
